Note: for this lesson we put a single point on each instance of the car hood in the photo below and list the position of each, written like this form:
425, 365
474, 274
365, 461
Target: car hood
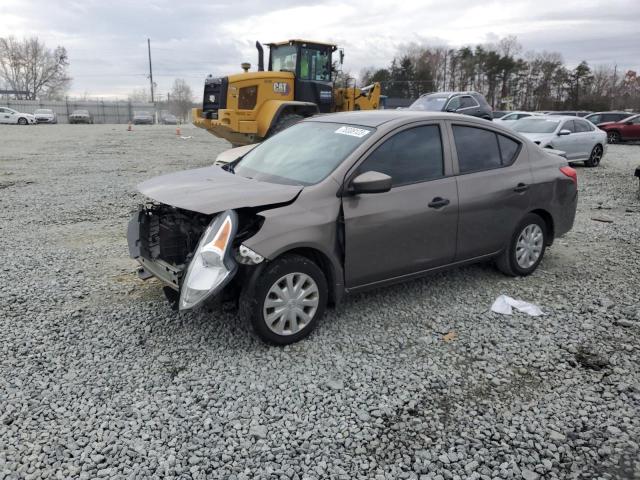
211, 189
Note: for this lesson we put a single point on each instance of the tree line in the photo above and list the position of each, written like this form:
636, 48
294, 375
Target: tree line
508, 78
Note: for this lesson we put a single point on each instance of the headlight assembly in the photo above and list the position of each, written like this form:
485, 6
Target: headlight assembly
212, 265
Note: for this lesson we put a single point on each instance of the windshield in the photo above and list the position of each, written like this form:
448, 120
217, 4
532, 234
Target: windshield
43, 110
430, 103
536, 125
283, 58
303, 154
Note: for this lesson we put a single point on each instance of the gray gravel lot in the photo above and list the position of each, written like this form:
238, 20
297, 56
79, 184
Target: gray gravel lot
100, 379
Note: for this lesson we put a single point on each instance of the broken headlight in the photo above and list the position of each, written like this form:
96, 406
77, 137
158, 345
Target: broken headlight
212, 265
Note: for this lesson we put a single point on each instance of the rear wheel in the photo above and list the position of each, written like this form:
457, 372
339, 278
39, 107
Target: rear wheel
285, 121
22, 121
526, 248
289, 298
595, 157
613, 137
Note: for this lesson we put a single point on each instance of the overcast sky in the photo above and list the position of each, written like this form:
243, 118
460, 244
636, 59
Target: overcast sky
106, 39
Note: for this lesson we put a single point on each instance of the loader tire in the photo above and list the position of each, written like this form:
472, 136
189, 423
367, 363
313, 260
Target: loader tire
284, 122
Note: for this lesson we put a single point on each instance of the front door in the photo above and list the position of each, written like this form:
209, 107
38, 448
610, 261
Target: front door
631, 131
5, 115
413, 226
570, 144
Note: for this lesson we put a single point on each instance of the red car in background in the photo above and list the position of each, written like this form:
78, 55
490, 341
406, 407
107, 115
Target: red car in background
626, 129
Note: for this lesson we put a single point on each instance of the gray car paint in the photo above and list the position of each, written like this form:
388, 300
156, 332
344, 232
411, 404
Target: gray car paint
210, 190
386, 237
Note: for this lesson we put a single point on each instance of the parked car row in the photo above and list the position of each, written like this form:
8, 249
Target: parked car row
45, 115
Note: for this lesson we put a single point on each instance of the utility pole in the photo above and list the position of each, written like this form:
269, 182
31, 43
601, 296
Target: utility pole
150, 70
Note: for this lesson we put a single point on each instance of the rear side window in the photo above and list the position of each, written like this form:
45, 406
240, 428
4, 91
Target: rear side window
411, 156
582, 126
467, 102
479, 149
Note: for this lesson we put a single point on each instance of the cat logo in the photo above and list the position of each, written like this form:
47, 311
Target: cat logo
281, 88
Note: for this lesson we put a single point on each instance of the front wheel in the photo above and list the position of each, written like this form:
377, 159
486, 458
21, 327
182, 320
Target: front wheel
526, 247
595, 157
289, 298
22, 121
613, 137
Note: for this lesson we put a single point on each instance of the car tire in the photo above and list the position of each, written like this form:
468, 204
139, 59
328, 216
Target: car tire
595, 156
302, 306
284, 122
613, 137
22, 121
526, 247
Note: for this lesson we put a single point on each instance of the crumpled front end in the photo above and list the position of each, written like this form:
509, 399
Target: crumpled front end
195, 255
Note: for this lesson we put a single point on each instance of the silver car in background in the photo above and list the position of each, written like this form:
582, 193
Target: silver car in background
45, 115
512, 117
578, 138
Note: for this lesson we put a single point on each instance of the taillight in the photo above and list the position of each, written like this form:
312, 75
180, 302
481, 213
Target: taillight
571, 173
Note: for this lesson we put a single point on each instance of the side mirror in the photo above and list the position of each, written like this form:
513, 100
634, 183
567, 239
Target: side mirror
370, 182
564, 131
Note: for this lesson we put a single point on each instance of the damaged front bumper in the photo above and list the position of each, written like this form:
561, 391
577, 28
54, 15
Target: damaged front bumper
196, 274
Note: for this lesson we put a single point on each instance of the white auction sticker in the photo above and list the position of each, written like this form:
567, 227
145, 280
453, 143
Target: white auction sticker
352, 131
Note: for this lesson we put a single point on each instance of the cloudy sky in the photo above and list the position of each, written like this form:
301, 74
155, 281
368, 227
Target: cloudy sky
106, 39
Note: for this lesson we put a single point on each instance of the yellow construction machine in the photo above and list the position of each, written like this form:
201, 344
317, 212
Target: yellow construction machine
299, 82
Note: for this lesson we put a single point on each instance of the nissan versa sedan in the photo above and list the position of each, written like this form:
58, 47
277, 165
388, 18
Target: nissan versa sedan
578, 138
346, 202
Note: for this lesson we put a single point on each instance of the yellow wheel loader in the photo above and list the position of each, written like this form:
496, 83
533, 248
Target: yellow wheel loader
248, 107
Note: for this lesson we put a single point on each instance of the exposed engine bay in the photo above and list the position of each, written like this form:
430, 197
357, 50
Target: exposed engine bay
164, 239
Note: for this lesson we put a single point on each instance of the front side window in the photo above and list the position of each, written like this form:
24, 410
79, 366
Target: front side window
454, 103
314, 65
479, 149
283, 58
568, 125
303, 154
411, 156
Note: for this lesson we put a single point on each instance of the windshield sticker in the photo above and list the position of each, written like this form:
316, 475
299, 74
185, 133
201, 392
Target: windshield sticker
352, 131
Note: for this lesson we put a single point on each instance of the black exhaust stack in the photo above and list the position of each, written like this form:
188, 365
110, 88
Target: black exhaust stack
260, 57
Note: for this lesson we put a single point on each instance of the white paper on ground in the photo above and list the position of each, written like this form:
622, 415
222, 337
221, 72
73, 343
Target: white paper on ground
504, 304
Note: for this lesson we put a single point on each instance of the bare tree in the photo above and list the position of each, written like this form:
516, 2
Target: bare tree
181, 98
28, 65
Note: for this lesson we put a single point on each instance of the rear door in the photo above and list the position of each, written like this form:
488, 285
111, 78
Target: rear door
4, 115
413, 226
586, 138
494, 179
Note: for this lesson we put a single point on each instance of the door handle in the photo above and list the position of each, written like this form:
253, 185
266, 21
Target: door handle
521, 187
439, 202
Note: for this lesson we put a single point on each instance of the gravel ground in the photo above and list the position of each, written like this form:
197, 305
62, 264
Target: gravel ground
100, 379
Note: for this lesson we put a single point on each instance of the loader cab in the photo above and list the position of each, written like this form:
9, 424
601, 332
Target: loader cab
310, 62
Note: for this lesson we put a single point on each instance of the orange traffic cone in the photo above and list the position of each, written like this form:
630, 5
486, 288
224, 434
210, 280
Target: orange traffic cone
129, 127
178, 131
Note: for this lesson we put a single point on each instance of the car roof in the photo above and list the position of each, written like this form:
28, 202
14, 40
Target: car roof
375, 118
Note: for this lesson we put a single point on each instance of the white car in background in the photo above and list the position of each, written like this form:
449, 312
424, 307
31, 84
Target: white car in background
578, 138
510, 118
9, 115
45, 115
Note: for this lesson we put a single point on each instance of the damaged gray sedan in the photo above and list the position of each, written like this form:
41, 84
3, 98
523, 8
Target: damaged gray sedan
347, 202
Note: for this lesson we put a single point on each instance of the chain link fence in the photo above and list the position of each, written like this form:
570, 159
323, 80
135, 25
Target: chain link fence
102, 111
